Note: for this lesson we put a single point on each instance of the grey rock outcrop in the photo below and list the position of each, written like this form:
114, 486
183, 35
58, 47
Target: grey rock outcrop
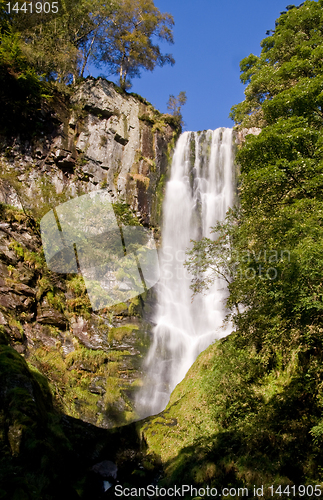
100, 138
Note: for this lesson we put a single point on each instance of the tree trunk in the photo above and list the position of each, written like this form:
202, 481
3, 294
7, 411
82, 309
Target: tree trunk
87, 55
123, 72
121, 76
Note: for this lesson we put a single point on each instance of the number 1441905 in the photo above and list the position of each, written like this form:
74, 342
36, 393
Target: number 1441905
298, 491
30, 7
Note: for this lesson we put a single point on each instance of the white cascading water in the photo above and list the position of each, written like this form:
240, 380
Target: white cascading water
198, 194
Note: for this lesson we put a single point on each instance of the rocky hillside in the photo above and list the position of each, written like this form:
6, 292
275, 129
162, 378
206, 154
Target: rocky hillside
93, 138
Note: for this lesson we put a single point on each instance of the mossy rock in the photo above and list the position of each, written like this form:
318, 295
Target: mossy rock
118, 333
120, 309
135, 307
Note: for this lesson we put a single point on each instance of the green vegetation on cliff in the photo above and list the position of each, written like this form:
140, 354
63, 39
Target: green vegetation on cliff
62, 368
87, 358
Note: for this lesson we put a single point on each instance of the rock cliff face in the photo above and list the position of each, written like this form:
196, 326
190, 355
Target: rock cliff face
95, 138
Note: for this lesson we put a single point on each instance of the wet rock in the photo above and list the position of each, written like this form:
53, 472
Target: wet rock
20, 348
26, 274
65, 160
39, 335
122, 140
10, 300
101, 141
7, 256
3, 320
99, 110
28, 316
16, 332
82, 330
8, 195
67, 346
97, 385
49, 316
106, 469
24, 289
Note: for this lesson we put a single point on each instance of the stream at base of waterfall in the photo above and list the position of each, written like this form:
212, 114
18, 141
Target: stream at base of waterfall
198, 194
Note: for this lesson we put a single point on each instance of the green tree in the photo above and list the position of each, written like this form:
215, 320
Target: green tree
281, 168
4, 18
129, 42
117, 34
61, 45
290, 58
175, 104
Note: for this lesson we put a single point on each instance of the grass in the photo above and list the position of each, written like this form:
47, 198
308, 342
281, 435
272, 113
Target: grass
187, 416
90, 360
12, 214
32, 259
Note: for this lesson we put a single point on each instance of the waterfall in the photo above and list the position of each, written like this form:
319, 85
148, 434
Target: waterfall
198, 193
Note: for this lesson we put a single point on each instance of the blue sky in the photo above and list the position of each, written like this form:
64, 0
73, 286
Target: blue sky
211, 37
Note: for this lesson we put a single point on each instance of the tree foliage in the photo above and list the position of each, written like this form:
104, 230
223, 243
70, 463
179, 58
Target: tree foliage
289, 61
129, 44
119, 35
59, 45
21, 89
175, 104
281, 168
